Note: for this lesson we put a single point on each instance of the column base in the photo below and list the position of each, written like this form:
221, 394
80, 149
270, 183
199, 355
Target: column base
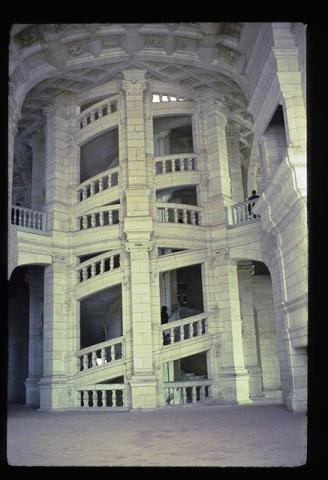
143, 392
297, 401
32, 392
235, 385
53, 393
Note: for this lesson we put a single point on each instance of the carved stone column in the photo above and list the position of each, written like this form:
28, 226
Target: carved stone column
249, 331
57, 169
143, 382
233, 375
233, 145
38, 171
35, 347
53, 386
219, 188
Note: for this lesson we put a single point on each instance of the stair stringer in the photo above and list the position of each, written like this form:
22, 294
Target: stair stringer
100, 374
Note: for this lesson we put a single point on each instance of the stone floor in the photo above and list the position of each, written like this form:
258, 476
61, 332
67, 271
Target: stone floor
213, 435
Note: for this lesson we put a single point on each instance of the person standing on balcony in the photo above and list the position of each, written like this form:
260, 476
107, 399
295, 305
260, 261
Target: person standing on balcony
251, 205
165, 319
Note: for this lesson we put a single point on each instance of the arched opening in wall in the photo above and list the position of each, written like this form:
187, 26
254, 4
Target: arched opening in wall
25, 334
22, 174
101, 317
259, 329
99, 155
173, 135
191, 373
181, 292
274, 142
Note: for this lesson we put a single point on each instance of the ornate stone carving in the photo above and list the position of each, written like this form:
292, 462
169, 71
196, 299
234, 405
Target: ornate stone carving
114, 41
77, 48
221, 104
154, 41
28, 37
57, 259
48, 110
134, 87
204, 179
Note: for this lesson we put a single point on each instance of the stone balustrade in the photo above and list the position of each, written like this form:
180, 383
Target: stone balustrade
101, 396
96, 112
179, 393
242, 213
100, 354
183, 162
176, 213
97, 266
102, 217
31, 219
185, 329
98, 183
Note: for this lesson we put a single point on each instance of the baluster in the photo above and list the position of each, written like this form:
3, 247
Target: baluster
191, 330
21, 221
175, 215
166, 214
172, 335
103, 398
110, 263
193, 394
103, 355
181, 333
108, 108
94, 399
110, 217
205, 325
92, 188
102, 265
109, 181
85, 398
122, 398
184, 332
84, 222
84, 193
110, 353
92, 117
114, 352
37, 221
193, 217
100, 112
84, 274
114, 398
199, 328
190, 164
163, 162
94, 359
199, 218
93, 220
202, 392
122, 352
184, 216
101, 186
93, 269
78, 223
182, 164
85, 362
101, 219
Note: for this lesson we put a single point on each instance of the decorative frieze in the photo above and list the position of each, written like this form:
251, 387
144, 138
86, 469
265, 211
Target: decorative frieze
154, 41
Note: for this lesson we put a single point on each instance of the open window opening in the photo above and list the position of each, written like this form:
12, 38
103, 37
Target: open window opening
99, 155
181, 195
101, 317
172, 135
181, 292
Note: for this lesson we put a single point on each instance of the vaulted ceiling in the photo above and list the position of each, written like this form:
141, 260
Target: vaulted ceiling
51, 59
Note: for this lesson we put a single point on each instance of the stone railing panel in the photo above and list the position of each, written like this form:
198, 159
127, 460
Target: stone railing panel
98, 265
100, 354
184, 329
101, 217
183, 162
177, 213
102, 396
186, 392
29, 219
98, 184
96, 112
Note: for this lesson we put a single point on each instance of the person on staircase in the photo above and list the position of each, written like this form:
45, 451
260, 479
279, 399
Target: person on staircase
251, 205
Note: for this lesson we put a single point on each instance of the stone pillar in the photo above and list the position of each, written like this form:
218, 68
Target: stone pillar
57, 168
138, 228
233, 144
53, 387
214, 323
249, 331
35, 347
143, 382
219, 185
38, 166
233, 375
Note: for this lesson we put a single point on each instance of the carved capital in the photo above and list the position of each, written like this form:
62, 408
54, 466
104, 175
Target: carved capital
220, 104
133, 87
57, 259
48, 110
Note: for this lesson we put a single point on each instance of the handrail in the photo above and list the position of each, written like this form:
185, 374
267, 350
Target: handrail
187, 383
103, 386
181, 206
99, 346
242, 213
175, 155
86, 263
181, 321
97, 177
